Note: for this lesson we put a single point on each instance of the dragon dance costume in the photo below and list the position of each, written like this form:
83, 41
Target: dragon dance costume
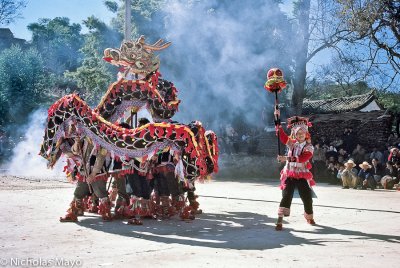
108, 149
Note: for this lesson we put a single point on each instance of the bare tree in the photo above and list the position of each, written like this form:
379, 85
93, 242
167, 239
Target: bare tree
364, 36
377, 23
10, 10
317, 30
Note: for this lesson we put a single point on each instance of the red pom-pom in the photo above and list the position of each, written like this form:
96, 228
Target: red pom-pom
275, 81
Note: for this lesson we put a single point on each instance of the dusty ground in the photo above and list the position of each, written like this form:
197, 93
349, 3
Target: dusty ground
355, 229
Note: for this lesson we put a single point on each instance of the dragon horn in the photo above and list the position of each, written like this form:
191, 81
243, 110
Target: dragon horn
157, 45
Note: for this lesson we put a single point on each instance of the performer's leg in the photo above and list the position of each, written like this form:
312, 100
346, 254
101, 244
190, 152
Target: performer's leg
305, 193
123, 197
162, 185
100, 189
173, 184
287, 197
76, 207
146, 205
145, 185
284, 206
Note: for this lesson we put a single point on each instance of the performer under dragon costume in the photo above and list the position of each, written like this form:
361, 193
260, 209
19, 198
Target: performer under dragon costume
159, 96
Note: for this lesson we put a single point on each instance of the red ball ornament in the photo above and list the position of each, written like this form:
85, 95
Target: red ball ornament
275, 81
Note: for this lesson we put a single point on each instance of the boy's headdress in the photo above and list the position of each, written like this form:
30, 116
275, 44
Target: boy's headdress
297, 122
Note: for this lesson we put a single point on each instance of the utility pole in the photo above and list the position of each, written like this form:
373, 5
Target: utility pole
128, 26
127, 37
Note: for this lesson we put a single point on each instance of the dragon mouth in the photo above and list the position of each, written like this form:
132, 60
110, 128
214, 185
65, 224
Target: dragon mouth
173, 103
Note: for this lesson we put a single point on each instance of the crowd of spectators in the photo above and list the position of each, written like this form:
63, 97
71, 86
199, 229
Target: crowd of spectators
232, 141
346, 162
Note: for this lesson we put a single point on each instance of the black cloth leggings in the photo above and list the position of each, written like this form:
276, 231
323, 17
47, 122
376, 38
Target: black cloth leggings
139, 185
304, 192
167, 184
99, 188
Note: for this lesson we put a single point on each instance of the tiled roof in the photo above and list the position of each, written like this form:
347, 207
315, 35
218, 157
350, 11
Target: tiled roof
338, 105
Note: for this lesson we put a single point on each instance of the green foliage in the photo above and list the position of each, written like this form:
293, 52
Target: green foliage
390, 100
58, 42
22, 83
327, 90
95, 75
142, 12
111, 5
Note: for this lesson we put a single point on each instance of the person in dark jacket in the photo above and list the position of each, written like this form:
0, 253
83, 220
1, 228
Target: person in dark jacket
365, 176
390, 176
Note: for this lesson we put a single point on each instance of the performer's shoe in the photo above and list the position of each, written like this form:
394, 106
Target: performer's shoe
80, 207
135, 221
69, 217
194, 204
187, 214
311, 222
164, 212
92, 204
105, 209
278, 227
72, 213
121, 210
93, 208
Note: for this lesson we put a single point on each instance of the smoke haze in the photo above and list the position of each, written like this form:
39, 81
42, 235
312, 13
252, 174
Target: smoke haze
220, 53
25, 159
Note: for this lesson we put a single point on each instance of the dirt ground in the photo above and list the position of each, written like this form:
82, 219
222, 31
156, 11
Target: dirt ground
355, 229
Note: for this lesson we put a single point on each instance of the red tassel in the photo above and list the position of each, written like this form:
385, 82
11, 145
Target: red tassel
152, 130
169, 131
160, 131
142, 133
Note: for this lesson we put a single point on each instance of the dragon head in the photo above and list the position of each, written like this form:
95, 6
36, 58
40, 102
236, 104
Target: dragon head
136, 57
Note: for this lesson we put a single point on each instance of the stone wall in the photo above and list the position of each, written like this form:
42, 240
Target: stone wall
371, 128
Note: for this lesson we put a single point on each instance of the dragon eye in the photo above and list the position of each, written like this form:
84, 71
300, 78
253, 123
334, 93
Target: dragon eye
139, 64
132, 55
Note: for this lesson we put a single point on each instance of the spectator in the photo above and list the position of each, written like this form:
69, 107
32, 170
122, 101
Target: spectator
340, 169
332, 152
332, 173
358, 154
319, 159
342, 155
386, 154
2, 141
341, 159
392, 138
349, 175
394, 155
323, 142
349, 139
376, 154
337, 143
232, 140
376, 170
366, 178
391, 176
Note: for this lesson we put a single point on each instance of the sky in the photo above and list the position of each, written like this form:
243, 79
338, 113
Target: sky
76, 10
